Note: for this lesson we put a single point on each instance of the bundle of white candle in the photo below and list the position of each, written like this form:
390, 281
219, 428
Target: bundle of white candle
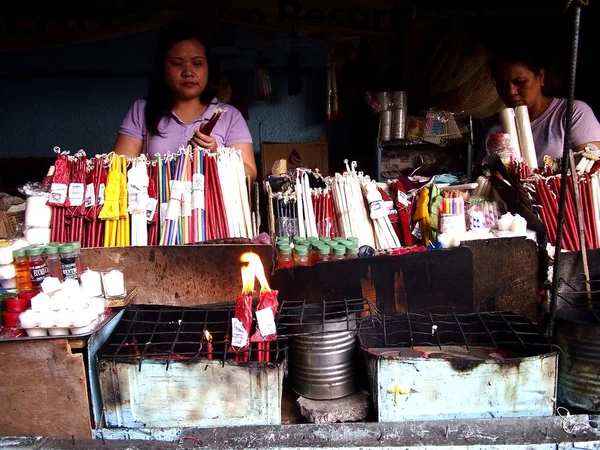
62, 308
235, 193
351, 211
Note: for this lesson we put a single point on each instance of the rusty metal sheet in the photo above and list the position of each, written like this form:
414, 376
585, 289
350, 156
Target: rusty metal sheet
439, 280
180, 275
203, 394
447, 387
506, 275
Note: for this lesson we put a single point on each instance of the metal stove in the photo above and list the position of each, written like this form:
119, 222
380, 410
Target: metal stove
459, 366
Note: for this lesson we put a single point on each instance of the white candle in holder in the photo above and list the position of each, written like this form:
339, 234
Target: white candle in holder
114, 283
92, 283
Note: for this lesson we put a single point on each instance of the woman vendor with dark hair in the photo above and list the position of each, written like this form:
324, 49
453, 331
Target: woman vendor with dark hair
522, 80
181, 98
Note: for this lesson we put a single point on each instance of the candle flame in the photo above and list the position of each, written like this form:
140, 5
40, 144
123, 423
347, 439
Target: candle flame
208, 336
258, 271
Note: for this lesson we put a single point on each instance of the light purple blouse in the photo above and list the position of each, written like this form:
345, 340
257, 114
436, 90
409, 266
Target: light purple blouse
549, 129
230, 129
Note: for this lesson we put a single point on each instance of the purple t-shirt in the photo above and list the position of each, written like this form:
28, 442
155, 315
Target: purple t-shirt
230, 129
549, 129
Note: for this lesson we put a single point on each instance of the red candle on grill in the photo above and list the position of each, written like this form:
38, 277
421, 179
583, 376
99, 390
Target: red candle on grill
209, 345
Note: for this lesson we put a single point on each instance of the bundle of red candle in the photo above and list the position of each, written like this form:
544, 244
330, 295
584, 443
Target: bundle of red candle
547, 191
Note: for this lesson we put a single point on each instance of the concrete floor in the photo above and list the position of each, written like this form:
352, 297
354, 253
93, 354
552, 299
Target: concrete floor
552, 433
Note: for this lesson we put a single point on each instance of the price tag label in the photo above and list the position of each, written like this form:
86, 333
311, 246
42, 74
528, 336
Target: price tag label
239, 334
163, 212
173, 210
177, 189
198, 182
151, 208
90, 196
266, 322
416, 232
76, 193
197, 200
101, 193
58, 193
402, 198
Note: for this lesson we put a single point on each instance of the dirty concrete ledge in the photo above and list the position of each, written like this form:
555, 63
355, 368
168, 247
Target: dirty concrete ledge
522, 433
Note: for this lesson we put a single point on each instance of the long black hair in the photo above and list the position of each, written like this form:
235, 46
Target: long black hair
160, 98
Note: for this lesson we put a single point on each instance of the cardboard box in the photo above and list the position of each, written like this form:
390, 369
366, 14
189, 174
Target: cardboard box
312, 154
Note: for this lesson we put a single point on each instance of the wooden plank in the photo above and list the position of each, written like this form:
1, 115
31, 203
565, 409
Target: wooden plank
124, 301
180, 275
43, 390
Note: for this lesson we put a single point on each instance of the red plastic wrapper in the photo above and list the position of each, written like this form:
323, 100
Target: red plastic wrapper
243, 312
266, 300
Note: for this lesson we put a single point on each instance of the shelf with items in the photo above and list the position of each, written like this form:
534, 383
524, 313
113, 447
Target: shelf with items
418, 145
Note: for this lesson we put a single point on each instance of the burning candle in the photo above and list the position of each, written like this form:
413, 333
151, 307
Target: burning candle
242, 320
265, 310
209, 345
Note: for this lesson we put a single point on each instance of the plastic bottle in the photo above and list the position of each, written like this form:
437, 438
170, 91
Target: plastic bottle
301, 256
352, 252
68, 262
285, 259
77, 250
323, 253
338, 252
21, 264
37, 266
53, 262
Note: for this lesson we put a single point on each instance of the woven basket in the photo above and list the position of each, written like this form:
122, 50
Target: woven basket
11, 224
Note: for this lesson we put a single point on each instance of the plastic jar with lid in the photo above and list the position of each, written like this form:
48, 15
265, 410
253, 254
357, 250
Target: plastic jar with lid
323, 253
353, 240
346, 243
352, 252
21, 264
299, 240
68, 261
77, 250
338, 252
53, 261
285, 259
301, 256
283, 239
38, 270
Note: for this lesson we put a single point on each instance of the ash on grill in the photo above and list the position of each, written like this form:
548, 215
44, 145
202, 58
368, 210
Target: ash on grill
179, 333
496, 330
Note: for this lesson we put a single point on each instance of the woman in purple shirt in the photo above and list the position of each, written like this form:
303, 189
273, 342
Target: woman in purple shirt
521, 80
180, 99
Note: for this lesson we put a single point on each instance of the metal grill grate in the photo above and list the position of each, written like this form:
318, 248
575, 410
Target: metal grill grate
178, 334
504, 330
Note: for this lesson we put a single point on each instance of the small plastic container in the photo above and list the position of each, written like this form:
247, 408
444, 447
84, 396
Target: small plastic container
301, 256
68, 261
21, 264
79, 259
37, 266
299, 240
339, 252
283, 239
354, 240
338, 239
323, 253
285, 260
53, 261
352, 252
